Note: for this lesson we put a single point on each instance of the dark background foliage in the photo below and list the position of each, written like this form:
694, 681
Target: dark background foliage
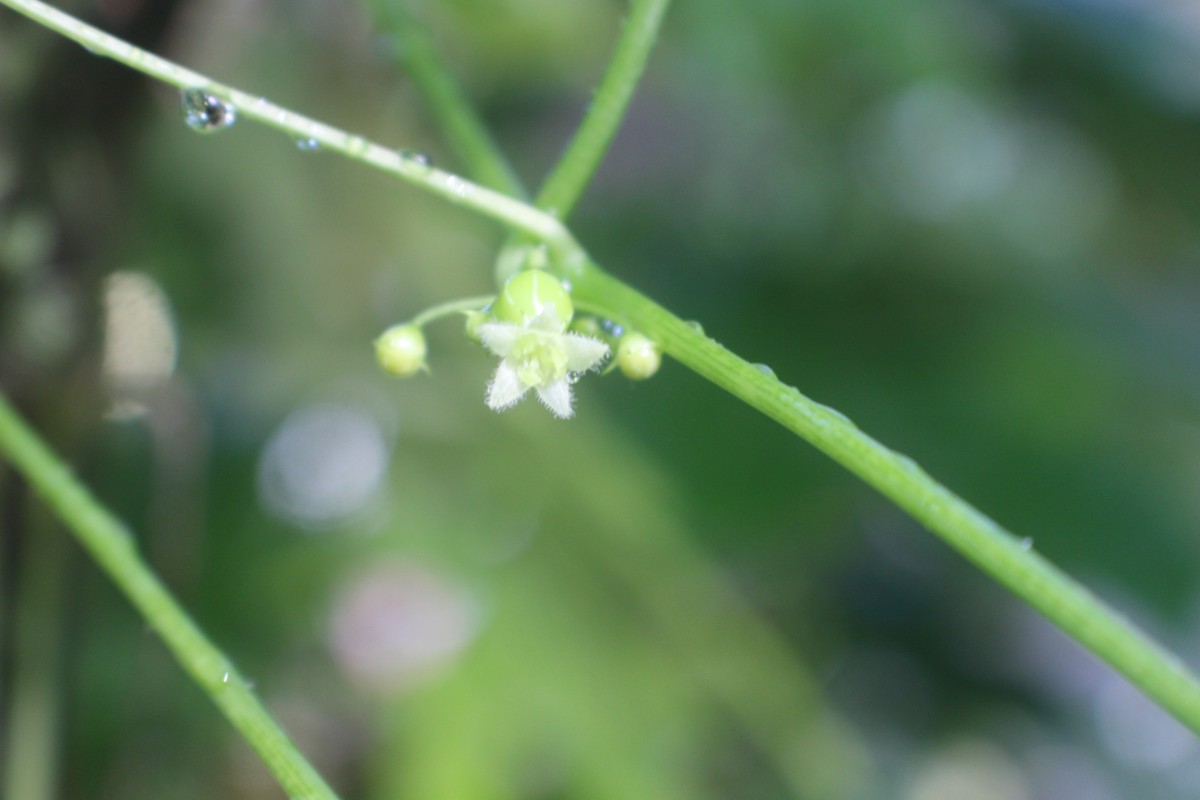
971, 226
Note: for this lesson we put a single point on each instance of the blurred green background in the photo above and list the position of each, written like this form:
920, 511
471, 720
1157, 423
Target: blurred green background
973, 226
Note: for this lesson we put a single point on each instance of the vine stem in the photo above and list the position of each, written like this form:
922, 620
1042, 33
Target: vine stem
33, 720
997, 552
574, 170
412, 48
571, 175
453, 307
112, 547
454, 188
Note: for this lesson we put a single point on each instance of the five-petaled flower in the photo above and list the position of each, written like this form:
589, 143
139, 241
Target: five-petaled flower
538, 355
528, 330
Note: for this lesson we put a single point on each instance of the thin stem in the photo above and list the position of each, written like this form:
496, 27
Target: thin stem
449, 186
112, 547
33, 725
467, 134
453, 307
996, 551
574, 170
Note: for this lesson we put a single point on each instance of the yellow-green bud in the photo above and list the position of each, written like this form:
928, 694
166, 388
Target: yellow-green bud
400, 350
638, 357
534, 295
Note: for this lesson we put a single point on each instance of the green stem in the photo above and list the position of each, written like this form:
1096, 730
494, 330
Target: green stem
996, 551
451, 187
32, 756
453, 307
112, 547
467, 134
574, 170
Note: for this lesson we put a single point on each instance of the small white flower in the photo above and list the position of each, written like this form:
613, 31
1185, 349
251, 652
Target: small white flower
538, 355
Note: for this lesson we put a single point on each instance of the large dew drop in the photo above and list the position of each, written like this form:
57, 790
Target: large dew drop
206, 113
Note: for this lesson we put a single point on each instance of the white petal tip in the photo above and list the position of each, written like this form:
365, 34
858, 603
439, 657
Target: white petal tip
557, 398
505, 388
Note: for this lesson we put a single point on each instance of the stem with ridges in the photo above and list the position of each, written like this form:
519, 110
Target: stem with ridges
996, 551
112, 547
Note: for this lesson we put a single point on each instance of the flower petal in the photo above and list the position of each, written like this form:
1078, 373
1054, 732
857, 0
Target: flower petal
583, 352
499, 337
505, 388
557, 397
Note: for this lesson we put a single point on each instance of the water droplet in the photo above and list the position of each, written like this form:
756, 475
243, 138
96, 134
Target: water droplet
614, 329
765, 370
1026, 544
205, 112
840, 416
308, 145
572, 378
225, 678
696, 326
566, 284
457, 185
417, 157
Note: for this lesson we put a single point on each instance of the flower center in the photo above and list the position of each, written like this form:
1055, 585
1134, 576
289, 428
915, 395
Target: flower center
539, 360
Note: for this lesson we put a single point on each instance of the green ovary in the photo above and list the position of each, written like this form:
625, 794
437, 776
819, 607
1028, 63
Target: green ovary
538, 360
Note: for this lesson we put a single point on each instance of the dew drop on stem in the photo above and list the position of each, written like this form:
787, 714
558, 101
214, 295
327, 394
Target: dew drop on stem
765, 370
457, 185
308, 145
417, 157
206, 113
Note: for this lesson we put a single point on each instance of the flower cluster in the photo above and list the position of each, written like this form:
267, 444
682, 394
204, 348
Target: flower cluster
529, 327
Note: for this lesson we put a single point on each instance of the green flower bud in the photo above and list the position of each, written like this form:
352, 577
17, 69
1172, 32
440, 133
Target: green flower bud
638, 357
400, 350
534, 295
